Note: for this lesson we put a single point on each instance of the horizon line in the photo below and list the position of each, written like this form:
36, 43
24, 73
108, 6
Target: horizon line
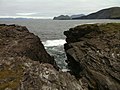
27, 17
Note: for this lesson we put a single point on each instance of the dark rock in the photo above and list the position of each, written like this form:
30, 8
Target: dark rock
18, 41
93, 52
25, 65
2, 24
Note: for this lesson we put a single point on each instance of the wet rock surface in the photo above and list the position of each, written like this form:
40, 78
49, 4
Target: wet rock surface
25, 65
93, 52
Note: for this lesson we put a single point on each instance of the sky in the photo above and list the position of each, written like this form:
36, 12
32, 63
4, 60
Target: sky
51, 8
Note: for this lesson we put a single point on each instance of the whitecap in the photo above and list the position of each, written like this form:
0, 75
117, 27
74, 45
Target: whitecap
51, 43
65, 70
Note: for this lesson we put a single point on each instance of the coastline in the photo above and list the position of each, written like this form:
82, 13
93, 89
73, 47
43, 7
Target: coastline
92, 52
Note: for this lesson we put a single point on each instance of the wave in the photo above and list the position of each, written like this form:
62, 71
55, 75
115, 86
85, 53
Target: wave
65, 70
51, 43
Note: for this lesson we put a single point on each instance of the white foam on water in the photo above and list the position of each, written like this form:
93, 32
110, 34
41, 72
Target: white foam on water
65, 70
51, 43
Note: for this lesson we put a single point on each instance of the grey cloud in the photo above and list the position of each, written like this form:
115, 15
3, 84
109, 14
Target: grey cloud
53, 7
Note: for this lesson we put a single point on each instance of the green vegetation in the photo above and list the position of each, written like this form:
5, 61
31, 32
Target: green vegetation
10, 78
110, 27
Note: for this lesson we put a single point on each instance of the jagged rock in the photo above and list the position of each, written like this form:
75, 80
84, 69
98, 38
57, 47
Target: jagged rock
25, 65
93, 52
18, 41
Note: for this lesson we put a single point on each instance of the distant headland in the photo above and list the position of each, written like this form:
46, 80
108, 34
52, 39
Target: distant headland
109, 13
67, 17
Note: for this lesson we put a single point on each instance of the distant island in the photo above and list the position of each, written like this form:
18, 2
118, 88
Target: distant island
62, 17
109, 13
67, 17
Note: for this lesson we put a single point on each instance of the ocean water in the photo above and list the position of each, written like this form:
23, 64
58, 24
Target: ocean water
51, 33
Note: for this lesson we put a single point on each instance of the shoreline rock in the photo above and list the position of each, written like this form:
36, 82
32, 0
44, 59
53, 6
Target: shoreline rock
18, 41
93, 55
25, 65
93, 58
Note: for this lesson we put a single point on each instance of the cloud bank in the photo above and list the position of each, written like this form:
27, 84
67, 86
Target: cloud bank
51, 8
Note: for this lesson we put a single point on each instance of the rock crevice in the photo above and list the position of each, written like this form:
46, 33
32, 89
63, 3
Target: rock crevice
93, 52
25, 64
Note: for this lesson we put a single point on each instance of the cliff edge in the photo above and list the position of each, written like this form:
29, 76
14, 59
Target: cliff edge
18, 41
93, 53
25, 65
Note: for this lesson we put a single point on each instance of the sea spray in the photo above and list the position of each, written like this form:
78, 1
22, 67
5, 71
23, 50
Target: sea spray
51, 43
56, 49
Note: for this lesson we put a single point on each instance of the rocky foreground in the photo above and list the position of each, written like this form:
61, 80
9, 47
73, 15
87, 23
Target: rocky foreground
25, 65
93, 53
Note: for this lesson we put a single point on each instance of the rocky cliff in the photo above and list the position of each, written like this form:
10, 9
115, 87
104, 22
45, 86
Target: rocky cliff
93, 52
18, 41
25, 65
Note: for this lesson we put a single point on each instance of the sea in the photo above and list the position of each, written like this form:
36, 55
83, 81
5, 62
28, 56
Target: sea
51, 33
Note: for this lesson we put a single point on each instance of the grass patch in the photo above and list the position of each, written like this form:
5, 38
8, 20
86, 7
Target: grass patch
10, 78
110, 27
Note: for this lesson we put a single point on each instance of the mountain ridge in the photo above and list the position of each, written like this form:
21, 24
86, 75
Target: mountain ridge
108, 13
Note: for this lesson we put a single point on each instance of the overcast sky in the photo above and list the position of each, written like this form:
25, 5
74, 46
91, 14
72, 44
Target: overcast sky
51, 8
